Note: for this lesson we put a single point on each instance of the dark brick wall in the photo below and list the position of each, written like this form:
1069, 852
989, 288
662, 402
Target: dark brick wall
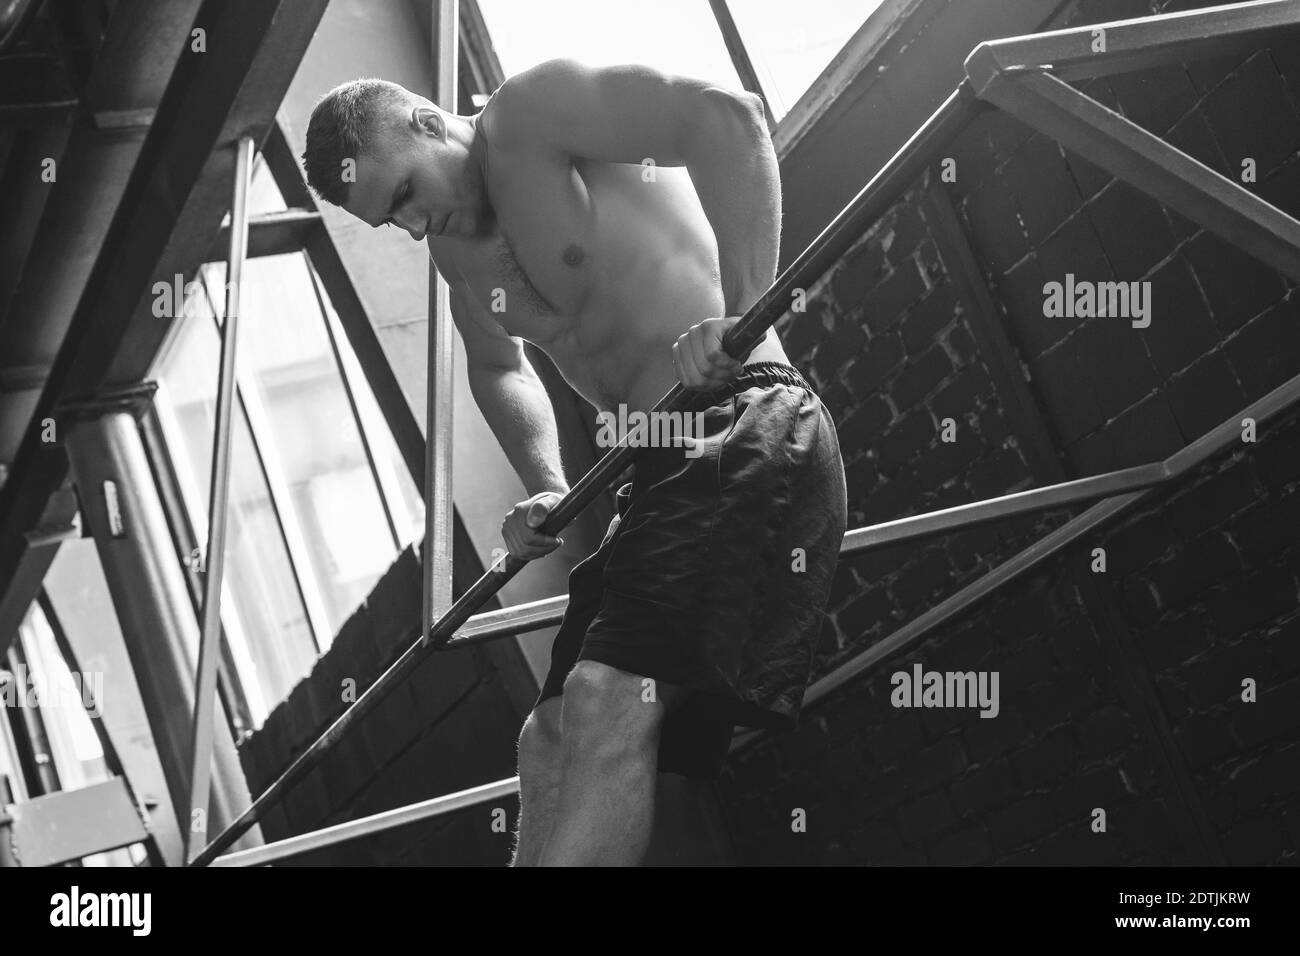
1119, 690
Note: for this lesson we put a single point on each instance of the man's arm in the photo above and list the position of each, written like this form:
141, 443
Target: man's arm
511, 396
628, 114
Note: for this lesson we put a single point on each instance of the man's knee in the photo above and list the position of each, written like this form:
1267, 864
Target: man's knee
606, 709
540, 741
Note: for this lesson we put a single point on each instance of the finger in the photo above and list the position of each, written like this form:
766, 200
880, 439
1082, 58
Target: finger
678, 366
536, 547
537, 513
715, 353
707, 374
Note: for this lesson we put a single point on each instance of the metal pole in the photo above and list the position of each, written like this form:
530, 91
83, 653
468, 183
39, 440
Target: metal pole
196, 833
740, 57
1121, 46
375, 823
440, 392
874, 198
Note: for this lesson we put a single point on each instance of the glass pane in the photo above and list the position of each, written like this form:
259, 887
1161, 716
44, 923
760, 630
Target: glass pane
310, 436
63, 699
403, 498
676, 36
262, 609
791, 44
13, 786
263, 193
66, 700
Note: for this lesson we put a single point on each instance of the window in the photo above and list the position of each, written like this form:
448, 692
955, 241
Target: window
263, 609
676, 36
65, 701
790, 44
320, 498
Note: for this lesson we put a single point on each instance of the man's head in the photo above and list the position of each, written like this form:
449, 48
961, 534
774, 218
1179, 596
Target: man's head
387, 155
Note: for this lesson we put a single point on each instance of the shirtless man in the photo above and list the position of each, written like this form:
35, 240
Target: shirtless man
622, 220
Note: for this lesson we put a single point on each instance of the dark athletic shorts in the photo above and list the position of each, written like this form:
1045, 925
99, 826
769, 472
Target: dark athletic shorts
714, 575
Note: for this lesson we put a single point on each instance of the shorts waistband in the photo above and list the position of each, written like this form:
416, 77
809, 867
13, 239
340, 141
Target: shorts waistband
762, 375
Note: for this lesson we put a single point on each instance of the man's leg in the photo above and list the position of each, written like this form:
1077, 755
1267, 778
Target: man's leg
609, 729
539, 780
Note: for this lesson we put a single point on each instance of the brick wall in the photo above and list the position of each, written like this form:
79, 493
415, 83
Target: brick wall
1119, 690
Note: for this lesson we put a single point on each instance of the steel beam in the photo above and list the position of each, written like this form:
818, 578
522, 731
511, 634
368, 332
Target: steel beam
272, 234
440, 385
376, 823
1100, 49
121, 507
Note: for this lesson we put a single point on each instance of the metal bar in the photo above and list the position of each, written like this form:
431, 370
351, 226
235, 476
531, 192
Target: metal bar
214, 557
348, 391
1005, 506
272, 233
376, 823
538, 614
1100, 49
740, 57
518, 619
1165, 173
440, 391
1176, 466
871, 201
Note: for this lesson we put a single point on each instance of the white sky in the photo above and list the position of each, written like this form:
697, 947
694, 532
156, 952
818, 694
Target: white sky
680, 36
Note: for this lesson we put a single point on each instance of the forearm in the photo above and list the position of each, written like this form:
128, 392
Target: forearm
735, 173
519, 412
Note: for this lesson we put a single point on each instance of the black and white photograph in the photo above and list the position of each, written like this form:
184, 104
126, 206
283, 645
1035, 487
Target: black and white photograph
728, 434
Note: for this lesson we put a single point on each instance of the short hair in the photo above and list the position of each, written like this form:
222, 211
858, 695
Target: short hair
343, 124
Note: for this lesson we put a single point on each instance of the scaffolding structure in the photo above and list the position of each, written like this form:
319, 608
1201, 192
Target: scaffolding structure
1027, 77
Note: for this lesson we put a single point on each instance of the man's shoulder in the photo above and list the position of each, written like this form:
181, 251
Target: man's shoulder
516, 115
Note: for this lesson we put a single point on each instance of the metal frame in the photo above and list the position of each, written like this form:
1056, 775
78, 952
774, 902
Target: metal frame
440, 390
1109, 140
205, 690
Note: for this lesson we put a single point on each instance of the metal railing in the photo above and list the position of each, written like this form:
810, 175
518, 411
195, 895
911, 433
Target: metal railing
1014, 74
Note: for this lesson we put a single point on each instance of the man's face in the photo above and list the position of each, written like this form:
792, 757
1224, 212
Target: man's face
415, 177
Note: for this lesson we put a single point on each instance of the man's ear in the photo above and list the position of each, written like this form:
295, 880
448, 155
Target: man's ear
428, 120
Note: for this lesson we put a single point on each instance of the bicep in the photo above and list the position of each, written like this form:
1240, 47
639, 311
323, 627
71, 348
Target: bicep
616, 114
